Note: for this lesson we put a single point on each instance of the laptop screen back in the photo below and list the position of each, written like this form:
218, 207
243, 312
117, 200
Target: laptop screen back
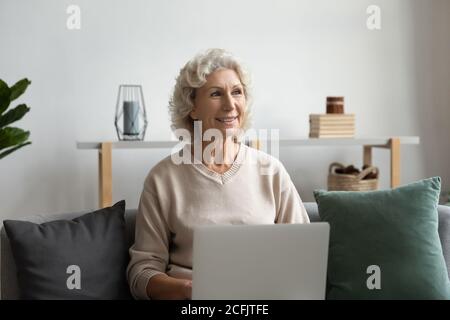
261, 262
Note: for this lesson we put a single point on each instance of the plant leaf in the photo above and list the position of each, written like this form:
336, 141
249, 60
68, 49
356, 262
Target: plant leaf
19, 88
6, 152
13, 115
11, 136
5, 94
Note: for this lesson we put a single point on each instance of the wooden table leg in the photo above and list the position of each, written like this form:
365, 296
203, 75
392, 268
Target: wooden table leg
105, 175
255, 144
394, 145
367, 157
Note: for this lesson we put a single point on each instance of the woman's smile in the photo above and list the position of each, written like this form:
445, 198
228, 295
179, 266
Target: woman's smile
228, 122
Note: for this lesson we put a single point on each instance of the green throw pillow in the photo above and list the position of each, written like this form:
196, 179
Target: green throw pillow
385, 244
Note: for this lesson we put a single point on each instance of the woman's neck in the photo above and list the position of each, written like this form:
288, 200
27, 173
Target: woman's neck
218, 157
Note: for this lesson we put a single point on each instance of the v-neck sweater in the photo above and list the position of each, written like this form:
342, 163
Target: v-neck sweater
177, 197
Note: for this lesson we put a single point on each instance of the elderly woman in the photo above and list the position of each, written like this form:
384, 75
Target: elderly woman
221, 186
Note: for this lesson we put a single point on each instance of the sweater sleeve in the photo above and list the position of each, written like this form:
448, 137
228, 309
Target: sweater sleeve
291, 208
150, 253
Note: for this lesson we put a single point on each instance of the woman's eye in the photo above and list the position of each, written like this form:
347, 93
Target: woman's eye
215, 94
239, 91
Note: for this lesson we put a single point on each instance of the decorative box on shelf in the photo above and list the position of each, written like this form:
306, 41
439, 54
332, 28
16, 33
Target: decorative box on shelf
332, 125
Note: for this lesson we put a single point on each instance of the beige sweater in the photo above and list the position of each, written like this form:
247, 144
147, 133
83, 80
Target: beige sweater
175, 198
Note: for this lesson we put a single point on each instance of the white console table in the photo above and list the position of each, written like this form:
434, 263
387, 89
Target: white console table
105, 154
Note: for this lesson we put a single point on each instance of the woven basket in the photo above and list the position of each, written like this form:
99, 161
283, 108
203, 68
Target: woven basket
349, 182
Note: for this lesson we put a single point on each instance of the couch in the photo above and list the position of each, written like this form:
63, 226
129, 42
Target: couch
9, 288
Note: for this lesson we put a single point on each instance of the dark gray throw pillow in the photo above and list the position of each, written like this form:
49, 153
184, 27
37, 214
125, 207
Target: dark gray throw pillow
83, 258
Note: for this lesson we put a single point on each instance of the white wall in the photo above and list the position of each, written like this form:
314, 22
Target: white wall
395, 80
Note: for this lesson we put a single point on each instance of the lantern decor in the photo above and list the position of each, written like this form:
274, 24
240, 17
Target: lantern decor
131, 118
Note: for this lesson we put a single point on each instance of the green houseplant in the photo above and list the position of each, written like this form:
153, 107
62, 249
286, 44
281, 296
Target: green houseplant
12, 138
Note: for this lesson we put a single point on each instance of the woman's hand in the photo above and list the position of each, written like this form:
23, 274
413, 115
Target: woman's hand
163, 287
187, 289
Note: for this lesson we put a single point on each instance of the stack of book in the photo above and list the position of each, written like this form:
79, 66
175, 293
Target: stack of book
331, 125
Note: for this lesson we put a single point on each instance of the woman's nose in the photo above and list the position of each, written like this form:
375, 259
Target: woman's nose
228, 103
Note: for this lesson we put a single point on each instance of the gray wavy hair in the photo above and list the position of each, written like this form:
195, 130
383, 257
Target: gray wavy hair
193, 75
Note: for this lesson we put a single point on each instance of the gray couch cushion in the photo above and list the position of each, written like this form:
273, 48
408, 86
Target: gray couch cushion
83, 258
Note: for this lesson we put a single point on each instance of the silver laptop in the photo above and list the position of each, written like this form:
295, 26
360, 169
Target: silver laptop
260, 262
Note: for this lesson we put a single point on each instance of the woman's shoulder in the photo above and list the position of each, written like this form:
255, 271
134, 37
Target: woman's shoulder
263, 159
163, 170
270, 168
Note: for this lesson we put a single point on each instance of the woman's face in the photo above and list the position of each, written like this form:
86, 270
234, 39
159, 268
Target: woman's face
220, 103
